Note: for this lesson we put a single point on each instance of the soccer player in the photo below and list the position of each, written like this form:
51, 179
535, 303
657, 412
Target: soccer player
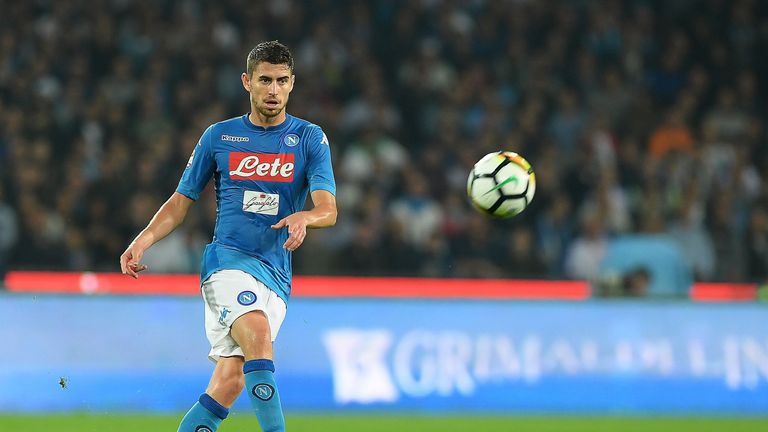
264, 164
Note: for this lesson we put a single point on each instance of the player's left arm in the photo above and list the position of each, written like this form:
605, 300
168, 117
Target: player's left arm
322, 215
322, 188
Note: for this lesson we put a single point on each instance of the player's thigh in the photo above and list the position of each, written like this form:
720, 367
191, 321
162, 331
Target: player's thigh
230, 295
253, 334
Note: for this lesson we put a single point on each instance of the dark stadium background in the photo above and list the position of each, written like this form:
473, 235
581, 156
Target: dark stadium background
642, 120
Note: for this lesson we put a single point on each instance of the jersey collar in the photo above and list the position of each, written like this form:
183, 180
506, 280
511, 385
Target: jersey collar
278, 127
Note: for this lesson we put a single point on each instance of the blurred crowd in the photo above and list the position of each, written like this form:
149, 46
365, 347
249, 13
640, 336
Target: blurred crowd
638, 117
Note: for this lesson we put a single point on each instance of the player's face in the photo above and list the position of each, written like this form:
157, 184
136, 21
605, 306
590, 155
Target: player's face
269, 87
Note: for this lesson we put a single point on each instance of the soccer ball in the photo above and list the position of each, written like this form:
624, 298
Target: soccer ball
501, 184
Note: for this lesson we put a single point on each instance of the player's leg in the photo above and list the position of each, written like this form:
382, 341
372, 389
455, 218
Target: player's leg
213, 406
227, 381
242, 318
252, 333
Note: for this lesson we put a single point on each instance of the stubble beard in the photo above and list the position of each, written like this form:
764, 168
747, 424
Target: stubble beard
265, 111
269, 112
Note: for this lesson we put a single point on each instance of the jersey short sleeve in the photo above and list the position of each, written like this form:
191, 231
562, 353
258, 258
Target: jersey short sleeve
199, 169
319, 167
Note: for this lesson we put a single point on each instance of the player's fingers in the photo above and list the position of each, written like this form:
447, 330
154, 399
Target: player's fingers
279, 225
289, 242
129, 271
124, 263
138, 269
296, 241
132, 263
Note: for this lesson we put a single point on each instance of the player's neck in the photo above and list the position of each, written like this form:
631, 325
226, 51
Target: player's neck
263, 121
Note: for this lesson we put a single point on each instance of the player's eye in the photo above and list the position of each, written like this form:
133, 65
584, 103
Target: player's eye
264, 80
283, 81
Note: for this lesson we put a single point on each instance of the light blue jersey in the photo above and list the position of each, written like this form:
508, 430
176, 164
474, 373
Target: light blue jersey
261, 175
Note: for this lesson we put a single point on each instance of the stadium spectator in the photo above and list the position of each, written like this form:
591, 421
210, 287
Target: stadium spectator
584, 255
671, 136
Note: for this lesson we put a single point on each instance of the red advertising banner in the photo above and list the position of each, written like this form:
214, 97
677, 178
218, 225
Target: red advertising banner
353, 287
304, 286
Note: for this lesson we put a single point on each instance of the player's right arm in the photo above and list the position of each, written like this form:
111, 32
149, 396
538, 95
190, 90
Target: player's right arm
199, 170
168, 217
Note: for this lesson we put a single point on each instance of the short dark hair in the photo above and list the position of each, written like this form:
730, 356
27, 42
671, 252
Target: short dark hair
271, 52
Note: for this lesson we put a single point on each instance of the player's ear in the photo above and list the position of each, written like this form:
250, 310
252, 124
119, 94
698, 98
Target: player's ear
246, 81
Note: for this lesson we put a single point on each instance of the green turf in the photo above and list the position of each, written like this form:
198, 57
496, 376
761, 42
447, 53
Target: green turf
387, 423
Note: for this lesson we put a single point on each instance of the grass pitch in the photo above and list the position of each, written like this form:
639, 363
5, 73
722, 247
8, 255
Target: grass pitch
385, 423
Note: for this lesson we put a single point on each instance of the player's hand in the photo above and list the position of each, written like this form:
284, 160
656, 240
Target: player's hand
129, 261
297, 229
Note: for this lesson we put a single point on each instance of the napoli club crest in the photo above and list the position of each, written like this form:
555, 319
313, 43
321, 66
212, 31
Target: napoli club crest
246, 298
263, 391
291, 140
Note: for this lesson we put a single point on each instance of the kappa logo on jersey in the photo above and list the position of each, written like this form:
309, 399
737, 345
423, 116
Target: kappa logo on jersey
235, 138
203, 428
261, 166
291, 140
324, 140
